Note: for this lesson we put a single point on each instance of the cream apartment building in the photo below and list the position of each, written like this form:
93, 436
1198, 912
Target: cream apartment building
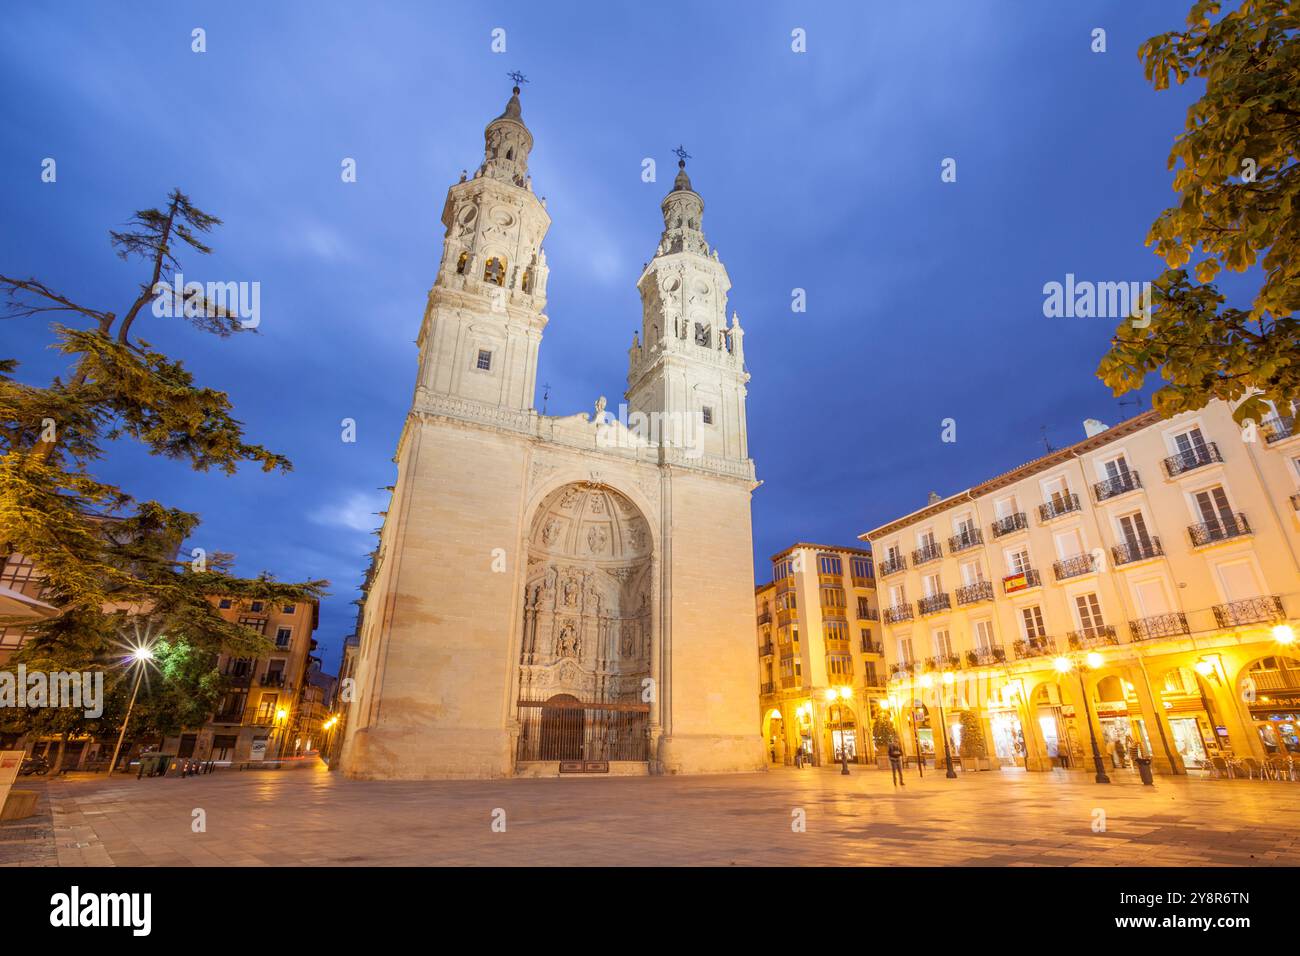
1138, 588
819, 651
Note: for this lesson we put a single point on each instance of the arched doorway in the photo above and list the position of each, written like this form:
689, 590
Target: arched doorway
561, 729
1058, 730
587, 638
1199, 730
774, 736
1270, 689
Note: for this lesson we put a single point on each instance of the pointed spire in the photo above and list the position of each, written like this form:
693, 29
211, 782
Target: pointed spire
507, 142
683, 210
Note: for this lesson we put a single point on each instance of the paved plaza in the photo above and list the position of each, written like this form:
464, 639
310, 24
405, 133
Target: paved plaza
313, 817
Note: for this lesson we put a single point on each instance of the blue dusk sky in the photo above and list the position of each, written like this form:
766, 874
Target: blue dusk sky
819, 170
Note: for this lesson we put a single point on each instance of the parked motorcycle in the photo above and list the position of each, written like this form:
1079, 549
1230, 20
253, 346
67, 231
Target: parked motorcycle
34, 765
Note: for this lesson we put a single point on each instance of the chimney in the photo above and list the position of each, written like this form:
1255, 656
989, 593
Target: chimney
1093, 427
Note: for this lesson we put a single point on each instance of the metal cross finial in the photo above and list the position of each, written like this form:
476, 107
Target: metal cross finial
681, 154
518, 77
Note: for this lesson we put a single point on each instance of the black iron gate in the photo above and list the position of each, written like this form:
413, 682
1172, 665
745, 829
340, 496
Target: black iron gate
565, 728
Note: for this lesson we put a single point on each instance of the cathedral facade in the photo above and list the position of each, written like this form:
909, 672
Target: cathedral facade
562, 593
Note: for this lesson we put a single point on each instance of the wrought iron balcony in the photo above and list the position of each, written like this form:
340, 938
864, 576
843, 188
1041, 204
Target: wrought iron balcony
902, 671
1192, 459
1021, 581
1010, 524
1058, 506
766, 650
892, 565
931, 552
868, 614
872, 647
765, 617
974, 593
965, 540
934, 604
768, 688
272, 679
1035, 647
899, 612
1277, 428
232, 717
1100, 635
1257, 610
1074, 566
942, 662
1136, 550
1157, 626
1223, 529
1121, 484
984, 656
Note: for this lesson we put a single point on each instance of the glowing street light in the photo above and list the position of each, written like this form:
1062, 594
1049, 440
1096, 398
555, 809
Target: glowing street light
140, 656
1283, 634
1063, 666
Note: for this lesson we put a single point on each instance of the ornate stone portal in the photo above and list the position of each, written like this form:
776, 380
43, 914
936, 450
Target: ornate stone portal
562, 588
587, 618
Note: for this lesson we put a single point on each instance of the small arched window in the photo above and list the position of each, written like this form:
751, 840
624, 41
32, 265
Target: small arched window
495, 271
462, 263
510, 153
527, 285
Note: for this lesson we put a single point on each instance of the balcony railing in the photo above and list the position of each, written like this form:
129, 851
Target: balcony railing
931, 552
942, 662
765, 650
868, 614
985, 656
228, 718
765, 617
1074, 566
1021, 581
872, 647
272, 679
899, 612
1058, 506
768, 688
1035, 647
1192, 459
1257, 610
892, 565
974, 593
965, 540
1136, 550
1223, 529
1275, 429
902, 671
934, 604
1121, 484
1100, 635
1157, 626
1010, 524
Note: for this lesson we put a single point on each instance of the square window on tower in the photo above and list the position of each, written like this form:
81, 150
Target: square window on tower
484, 360
708, 415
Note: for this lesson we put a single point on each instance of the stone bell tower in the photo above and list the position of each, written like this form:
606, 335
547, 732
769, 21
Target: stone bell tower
688, 364
484, 318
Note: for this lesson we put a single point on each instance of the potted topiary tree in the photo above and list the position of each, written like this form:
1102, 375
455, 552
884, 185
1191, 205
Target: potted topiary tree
883, 733
974, 748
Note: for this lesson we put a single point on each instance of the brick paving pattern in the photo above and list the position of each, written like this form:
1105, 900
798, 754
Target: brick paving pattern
311, 817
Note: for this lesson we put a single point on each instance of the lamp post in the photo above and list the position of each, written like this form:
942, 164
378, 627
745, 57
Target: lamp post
834, 697
927, 681
281, 716
1063, 666
139, 657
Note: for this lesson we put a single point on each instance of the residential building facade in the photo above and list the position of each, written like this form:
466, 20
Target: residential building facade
821, 669
260, 717
1137, 589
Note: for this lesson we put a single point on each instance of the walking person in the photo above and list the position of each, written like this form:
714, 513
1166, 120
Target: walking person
896, 764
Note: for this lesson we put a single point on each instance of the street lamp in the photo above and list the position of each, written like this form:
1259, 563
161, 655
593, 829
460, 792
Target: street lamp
280, 716
1063, 666
140, 656
927, 681
1283, 634
841, 693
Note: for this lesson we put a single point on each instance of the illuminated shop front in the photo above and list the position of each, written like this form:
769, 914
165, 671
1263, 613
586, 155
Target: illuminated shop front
1274, 704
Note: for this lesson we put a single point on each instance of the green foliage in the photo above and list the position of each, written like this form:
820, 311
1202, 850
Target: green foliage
1239, 205
883, 732
110, 563
973, 743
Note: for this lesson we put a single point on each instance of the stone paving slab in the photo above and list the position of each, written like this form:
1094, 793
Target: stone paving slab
313, 817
